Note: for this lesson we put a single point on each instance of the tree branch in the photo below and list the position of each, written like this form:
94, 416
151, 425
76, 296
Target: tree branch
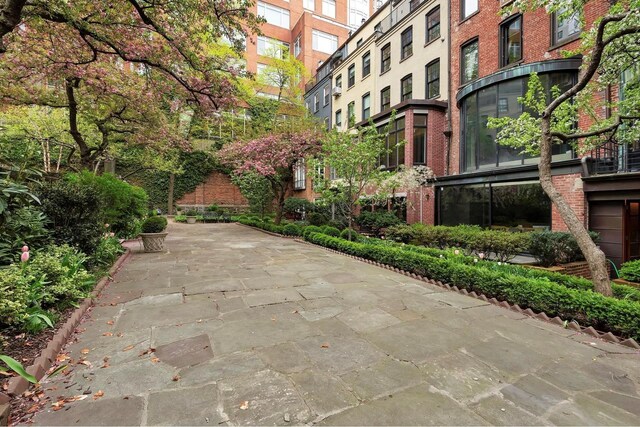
611, 128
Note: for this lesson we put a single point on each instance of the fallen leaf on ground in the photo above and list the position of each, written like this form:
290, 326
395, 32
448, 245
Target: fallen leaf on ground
120, 334
75, 398
175, 378
147, 351
155, 360
294, 312
62, 357
85, 363
85, 351
110, 322
244, 405
325, 345
97, 395
107, 334
129, 347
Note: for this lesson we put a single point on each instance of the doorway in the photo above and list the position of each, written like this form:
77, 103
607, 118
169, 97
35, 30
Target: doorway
632, 230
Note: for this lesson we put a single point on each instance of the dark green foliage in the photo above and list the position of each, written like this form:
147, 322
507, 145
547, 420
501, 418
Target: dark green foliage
631, 271
294, 207
311, 229
124, 204
75, 214
317, 218
377, 221
106, 253
331, 231
553, 247
154, 224
292, 230
349, 234
540, 294
257, 190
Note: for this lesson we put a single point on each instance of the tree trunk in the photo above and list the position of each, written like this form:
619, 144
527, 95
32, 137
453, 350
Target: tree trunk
86, 158
280, 191
594, 256
172, 178
10, 15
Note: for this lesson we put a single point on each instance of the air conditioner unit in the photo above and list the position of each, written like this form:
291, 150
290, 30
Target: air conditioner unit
336, 91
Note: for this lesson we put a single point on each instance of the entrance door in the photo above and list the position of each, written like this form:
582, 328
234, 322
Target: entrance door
632, 231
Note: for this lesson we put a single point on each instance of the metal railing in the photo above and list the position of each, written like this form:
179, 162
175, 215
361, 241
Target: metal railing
616, 158
397, 14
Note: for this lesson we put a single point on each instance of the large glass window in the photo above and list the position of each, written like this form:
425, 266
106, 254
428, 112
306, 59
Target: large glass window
366, 64
433, 79
501, 100
385, 58
565, 29
433, 25
309, 4
469, 62
406, 43
468, 7
271, 47
324, 42
511, 41
406, 88
339, 119
351, 75
467, 204
329, 8
366, 106
395, 155
385, 98
358, 12
419, 139
274, 15
300, 175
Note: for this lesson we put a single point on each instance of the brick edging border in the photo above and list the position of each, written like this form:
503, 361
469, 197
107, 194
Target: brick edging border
573, 325
18, 385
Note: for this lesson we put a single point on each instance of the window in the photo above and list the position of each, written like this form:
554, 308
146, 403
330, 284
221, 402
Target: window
339, 81
339, 119
385, 55
300, 178
469, 63
297, 46
366, 64
406, 43
309, 4
366, 106
271, 47
358, 43
406, 88
433, 25
468, 7
433, 79
324, 42
329, 8
316, 103
419, 139
394, 153
261, 69
326, 94
358, 12
274, 15
351, 113
565, 27
511, 41
385, 98
351, 75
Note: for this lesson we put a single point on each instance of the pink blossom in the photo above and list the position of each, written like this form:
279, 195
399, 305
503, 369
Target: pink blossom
24, 257
106, 226
457, 252
481, 255
25, 248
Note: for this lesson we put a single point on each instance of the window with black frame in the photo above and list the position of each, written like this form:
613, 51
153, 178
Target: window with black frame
406, 43
366, 106
385, 58
406, 88
394, 155
385, 98
565, 27
433, 25
511, 41
351, 113
338, 120
366, 64
351, 74
419, 139
469, 61
433, 79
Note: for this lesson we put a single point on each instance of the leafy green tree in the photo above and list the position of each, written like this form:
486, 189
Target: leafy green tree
257, 190
610, 49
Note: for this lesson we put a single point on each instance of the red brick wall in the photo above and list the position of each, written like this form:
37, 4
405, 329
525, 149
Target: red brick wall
414, 210
571, 188
217, 189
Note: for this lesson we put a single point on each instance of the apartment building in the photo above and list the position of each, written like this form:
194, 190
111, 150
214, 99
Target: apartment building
497, 186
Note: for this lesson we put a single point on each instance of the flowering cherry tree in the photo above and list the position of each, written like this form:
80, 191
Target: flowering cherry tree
272, 156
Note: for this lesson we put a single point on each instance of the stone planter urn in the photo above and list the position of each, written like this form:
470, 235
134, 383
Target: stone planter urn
191, 220
153, 242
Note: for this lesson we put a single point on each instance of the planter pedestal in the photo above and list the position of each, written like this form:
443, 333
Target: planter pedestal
191, 220
153, 242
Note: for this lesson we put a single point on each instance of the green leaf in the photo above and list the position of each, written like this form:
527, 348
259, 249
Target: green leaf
44, 318
17, 367
58, 370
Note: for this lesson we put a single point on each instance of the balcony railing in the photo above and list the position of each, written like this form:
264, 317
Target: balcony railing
397, 15
616, 158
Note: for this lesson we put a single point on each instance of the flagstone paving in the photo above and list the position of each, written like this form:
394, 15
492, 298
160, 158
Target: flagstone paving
234, 326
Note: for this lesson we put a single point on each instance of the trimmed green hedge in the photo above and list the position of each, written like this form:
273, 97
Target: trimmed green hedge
587, 307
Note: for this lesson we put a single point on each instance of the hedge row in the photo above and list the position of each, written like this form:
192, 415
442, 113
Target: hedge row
621, 317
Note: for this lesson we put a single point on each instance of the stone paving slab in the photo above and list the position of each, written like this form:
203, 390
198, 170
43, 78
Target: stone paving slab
231, 326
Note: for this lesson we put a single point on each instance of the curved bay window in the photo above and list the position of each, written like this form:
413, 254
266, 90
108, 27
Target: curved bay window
395, 150
479, 147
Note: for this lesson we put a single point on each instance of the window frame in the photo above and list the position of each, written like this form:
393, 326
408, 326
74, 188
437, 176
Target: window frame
305, 5
384, 60
324, 11
406, 43
429, 81
351, 112
504, 41
326, 94
382, 98
316, 35
280, 10
351, 76
297, 46
425, 148
300, 175
366, 109
403, 95
463, 10
555, 41
339, 81
366, 64
428, 36
463, 46
338, 118
316, 102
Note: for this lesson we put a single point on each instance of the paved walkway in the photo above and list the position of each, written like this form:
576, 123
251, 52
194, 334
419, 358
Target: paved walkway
246, 328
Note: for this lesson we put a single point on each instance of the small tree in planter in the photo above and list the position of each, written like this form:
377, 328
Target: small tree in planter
153, 233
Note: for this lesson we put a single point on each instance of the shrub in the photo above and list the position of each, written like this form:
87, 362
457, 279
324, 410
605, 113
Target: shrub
631, 271
349, 234
75, 214
295, 206
124, 204
154, 224
311, 229
330, 231
540, 294
376, 221
317, 218
402, 233
215, 209
191, 212
553, 247
180, 218
292, 230
23, 226
106, 253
